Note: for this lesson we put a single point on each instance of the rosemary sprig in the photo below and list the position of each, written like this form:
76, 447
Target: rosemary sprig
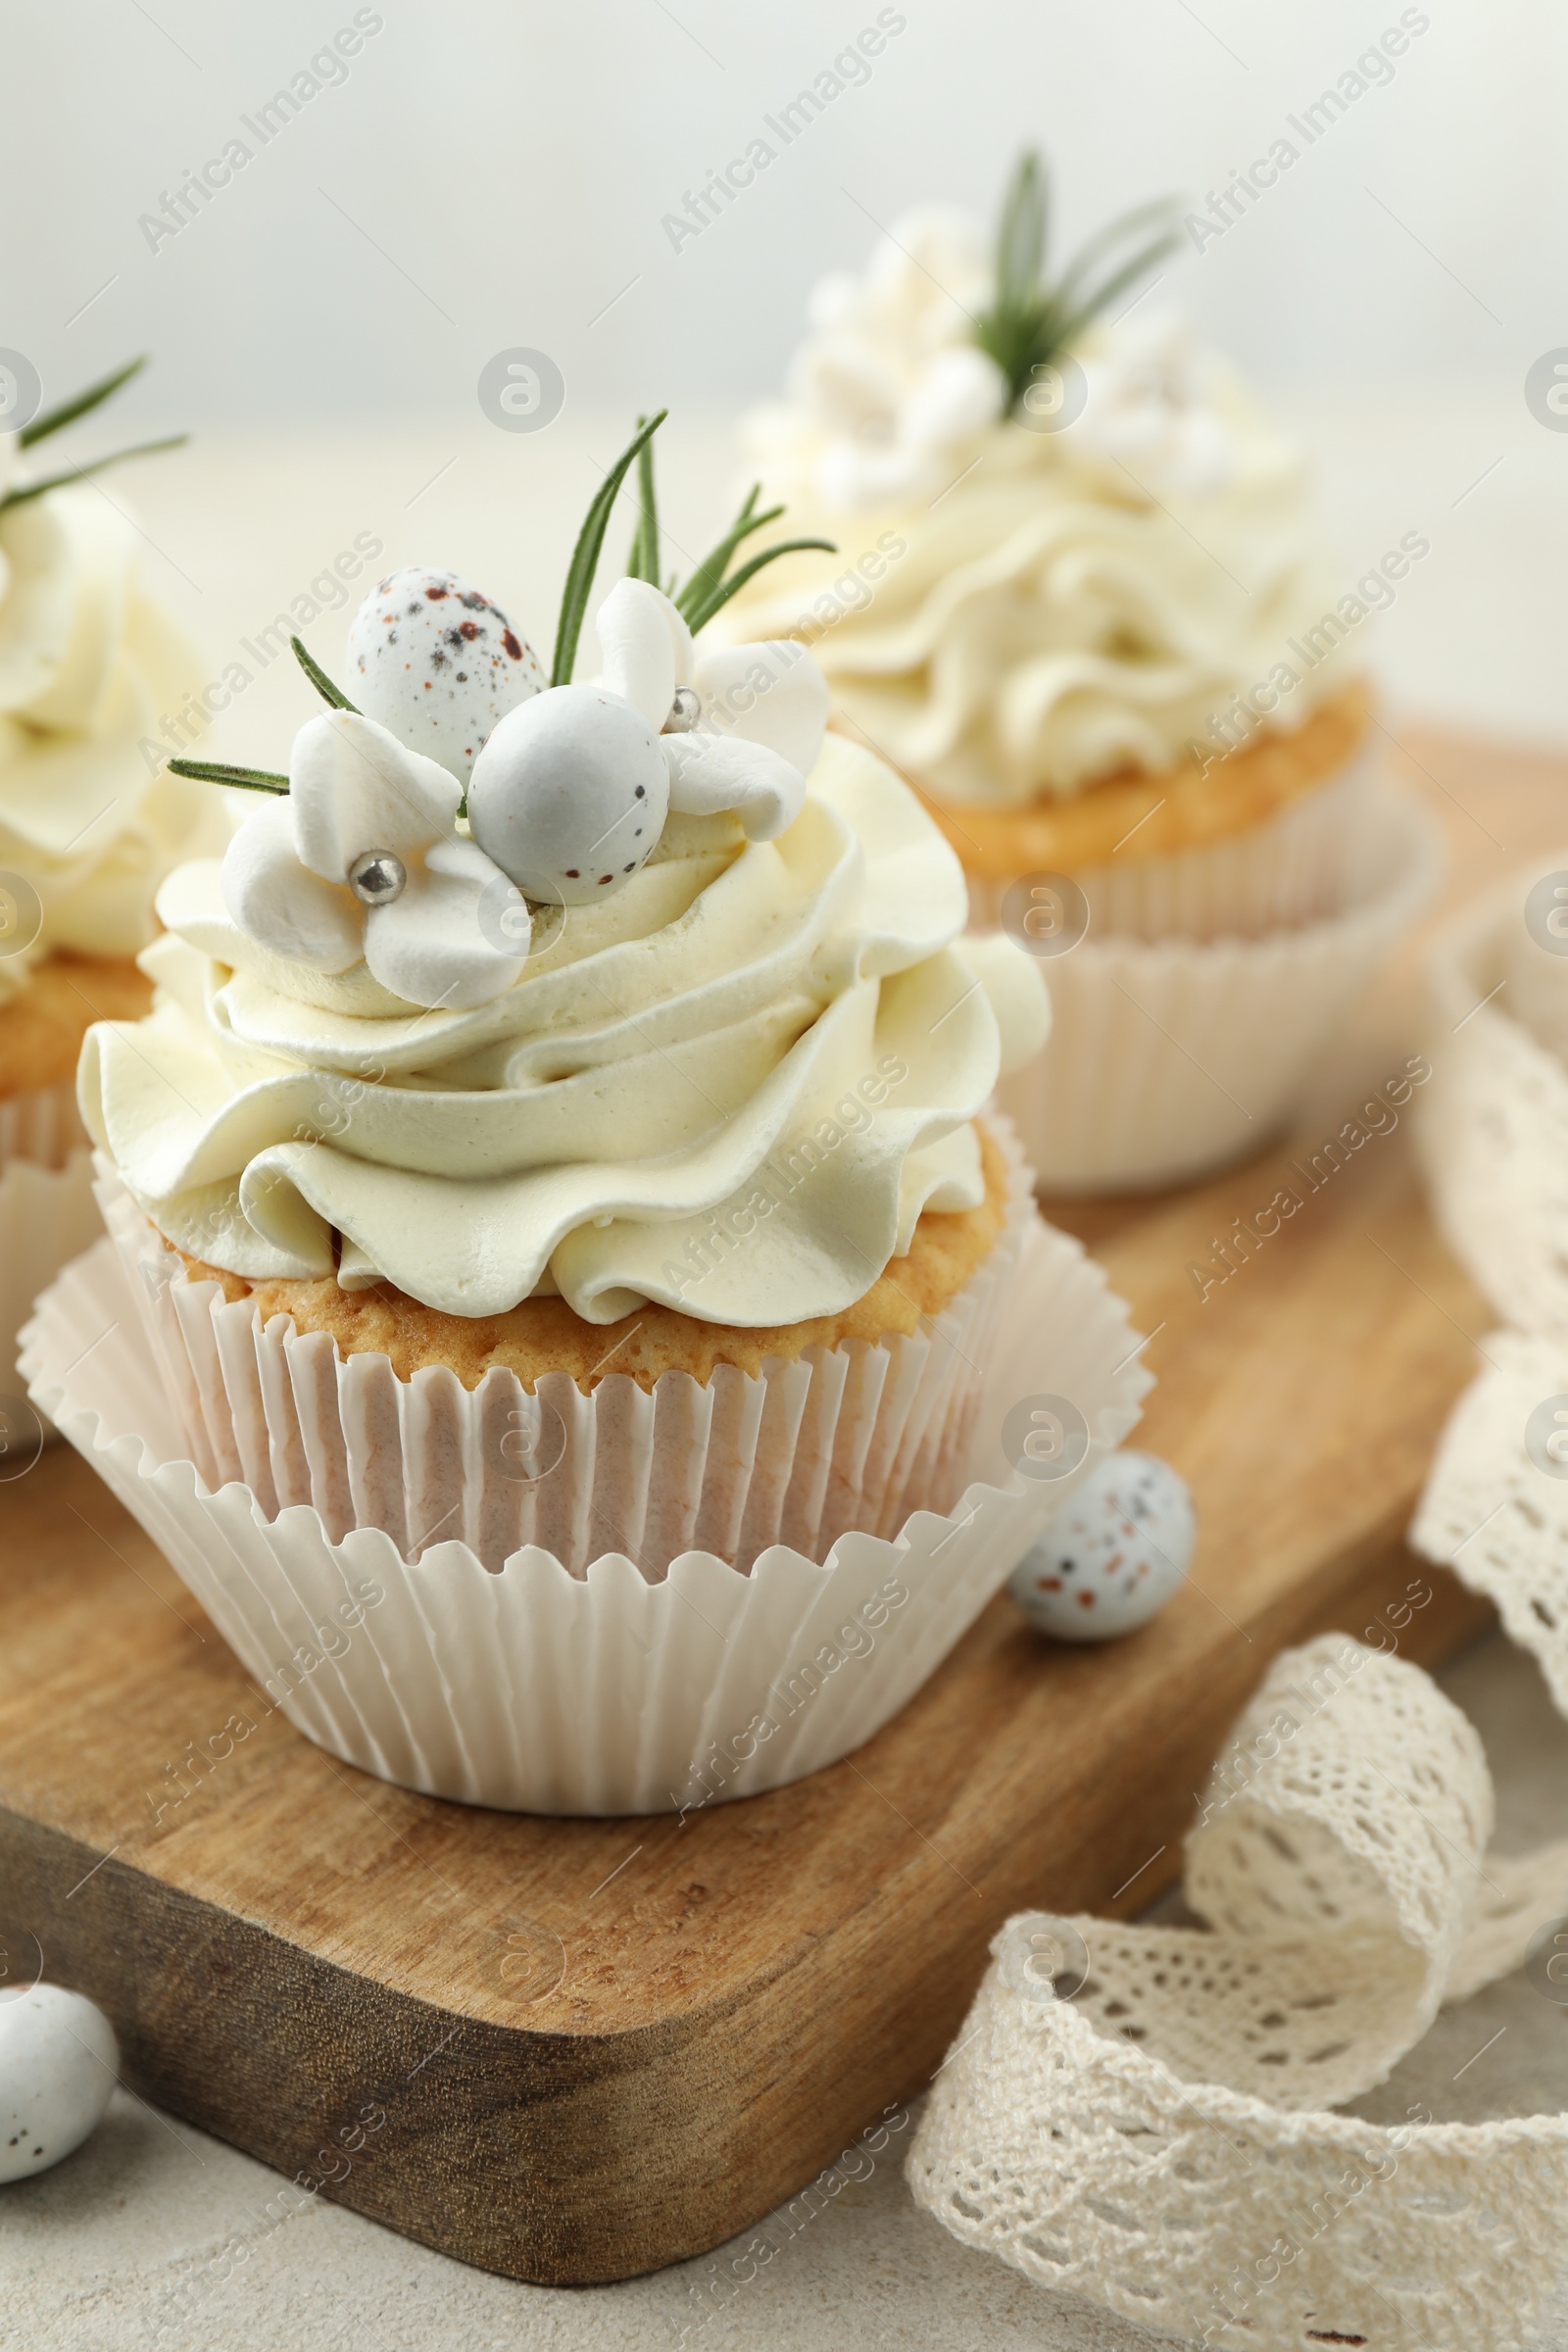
1031, 320
585, 554
701, 611
79, 473
218, 771
330, 694
1021, 233
80, 405
711, 570
642, 557
263, 779
707, 591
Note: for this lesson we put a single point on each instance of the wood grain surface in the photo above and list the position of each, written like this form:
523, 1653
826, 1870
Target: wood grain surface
574, 2050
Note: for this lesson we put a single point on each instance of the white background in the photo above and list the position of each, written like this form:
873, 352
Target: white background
494, 174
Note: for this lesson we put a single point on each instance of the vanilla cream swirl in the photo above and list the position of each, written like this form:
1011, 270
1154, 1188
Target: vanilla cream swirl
90, 821
1019, 613
731, 1088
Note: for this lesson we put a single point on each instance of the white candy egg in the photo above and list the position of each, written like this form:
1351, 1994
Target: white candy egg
569, 794
59, 2061
1113, 1556
436, 663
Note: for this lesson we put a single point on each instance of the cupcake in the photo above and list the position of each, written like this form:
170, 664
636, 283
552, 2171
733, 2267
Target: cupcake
557, 1187
90, 824
1080, 603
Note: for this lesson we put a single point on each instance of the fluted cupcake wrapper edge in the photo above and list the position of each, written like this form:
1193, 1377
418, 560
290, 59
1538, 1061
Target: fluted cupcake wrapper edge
533, 1690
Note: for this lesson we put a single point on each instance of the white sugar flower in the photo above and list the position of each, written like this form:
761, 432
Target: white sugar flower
890, 378
571, 792
362, 858
1152, 409
743, 724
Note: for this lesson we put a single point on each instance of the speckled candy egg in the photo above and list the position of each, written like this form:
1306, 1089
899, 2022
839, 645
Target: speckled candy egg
436, 663
58, 2065
1113, 1555
570, 795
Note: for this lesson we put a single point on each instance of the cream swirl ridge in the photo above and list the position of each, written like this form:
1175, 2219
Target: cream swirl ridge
775, 1040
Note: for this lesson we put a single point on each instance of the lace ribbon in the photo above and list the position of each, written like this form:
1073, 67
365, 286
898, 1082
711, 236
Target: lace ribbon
1144, 2115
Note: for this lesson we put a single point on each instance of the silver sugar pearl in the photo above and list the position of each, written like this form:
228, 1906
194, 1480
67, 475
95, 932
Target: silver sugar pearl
377, 877
684, 712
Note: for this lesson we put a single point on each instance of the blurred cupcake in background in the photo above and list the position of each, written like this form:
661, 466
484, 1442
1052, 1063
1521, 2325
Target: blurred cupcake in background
91, 821
1080, 603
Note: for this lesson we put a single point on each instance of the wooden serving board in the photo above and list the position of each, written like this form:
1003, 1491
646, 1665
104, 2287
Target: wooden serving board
570, 2051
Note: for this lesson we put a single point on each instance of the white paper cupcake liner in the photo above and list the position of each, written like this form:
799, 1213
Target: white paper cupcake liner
532, 1689
47, 1217
42, 1125
854, 1437
1492, 1125
1169, 1058
1298, 868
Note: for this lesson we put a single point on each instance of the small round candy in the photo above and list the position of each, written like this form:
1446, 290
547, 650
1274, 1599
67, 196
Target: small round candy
570, 795
436, 663
377, 877
1112, 1556
58, 2064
